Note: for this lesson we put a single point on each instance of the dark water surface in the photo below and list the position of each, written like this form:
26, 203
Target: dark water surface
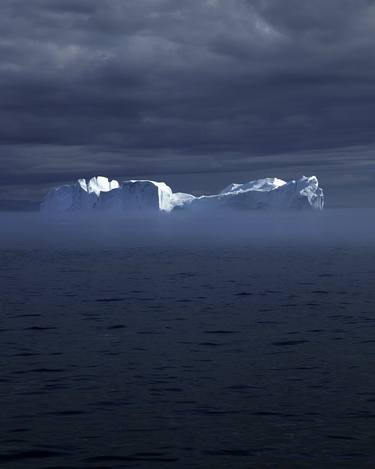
249, 354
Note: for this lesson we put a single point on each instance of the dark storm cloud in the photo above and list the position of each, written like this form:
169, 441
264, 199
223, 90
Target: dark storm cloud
142, 86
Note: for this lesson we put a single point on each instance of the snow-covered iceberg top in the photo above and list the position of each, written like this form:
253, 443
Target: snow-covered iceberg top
100, 194
268, 193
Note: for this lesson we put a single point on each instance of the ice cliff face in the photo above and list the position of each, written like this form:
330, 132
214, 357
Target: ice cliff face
136, 195
101, 194
142, 195
83, 195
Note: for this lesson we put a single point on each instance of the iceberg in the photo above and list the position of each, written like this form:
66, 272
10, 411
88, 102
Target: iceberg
137, 195
181, 200
101, 194
259, 185
81, 196
268, 193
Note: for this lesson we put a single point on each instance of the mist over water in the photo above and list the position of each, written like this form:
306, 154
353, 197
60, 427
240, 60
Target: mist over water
182, 229
229, 340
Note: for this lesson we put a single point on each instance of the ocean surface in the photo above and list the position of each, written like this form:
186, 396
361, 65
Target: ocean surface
188, 344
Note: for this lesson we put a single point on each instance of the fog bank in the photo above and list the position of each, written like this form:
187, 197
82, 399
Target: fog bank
229, 228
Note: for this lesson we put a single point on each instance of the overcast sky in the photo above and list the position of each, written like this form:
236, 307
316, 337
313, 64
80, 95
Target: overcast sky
188, 91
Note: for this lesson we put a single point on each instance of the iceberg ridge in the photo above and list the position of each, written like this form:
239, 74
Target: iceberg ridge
101, 194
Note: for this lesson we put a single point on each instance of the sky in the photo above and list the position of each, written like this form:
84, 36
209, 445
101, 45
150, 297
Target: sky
198, 93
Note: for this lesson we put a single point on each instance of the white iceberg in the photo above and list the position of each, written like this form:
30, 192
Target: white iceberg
143, 195
101, 194
181, 199
137, 195
259, 185
268, 193
98, 184
81, 196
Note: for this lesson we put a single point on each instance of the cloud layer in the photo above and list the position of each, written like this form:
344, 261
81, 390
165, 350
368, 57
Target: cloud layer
161, 86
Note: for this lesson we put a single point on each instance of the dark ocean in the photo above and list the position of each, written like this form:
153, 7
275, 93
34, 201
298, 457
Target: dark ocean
237, 342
